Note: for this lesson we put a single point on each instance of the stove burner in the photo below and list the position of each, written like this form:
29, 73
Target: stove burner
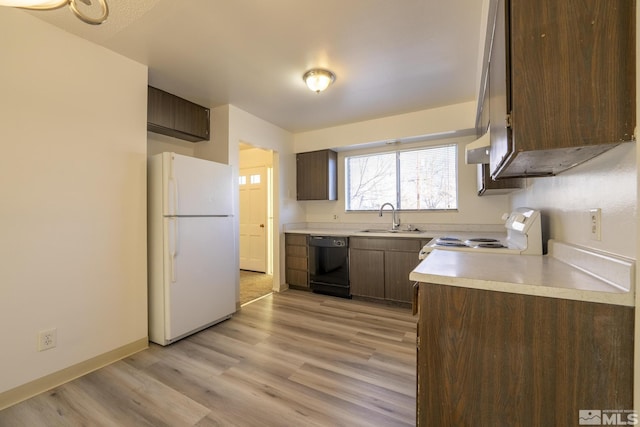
483, 240
491, 245
452, 244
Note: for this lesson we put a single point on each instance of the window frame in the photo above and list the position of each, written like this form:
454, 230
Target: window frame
397, 152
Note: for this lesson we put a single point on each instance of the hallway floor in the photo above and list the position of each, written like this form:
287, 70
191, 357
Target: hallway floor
254, 285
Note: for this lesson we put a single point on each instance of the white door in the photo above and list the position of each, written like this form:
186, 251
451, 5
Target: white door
200, 286
253, 219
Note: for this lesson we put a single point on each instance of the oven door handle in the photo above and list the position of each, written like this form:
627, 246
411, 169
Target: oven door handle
414, 301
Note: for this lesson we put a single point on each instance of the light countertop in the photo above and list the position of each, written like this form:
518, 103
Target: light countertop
540, 275
360, 233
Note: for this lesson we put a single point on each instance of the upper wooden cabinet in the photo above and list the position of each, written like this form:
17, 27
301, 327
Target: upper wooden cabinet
561, 83
174, 116
316, 174
488, 186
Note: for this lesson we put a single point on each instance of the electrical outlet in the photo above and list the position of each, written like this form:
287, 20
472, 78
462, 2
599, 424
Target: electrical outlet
595, 218
47, 339
335, 217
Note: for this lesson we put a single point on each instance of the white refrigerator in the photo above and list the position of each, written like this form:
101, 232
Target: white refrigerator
192, 256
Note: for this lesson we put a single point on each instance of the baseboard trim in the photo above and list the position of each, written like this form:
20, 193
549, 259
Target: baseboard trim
35, 387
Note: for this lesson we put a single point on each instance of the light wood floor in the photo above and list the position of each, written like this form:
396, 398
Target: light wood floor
289, 359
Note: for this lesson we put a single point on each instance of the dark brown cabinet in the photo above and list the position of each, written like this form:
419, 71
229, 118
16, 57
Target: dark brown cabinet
366, 271
170, 115
380, 267
561, 83
488, 186
316, 175
490, 358
296, 247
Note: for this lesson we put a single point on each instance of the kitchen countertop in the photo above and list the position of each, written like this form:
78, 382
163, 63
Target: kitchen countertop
539, 275
360, 233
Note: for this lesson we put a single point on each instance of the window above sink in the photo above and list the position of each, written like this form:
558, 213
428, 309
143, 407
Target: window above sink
420, 179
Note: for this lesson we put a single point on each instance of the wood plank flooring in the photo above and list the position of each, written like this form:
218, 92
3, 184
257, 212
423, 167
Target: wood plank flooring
290, 359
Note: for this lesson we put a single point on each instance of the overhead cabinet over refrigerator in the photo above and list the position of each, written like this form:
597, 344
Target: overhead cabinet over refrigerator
171, 115
192, 256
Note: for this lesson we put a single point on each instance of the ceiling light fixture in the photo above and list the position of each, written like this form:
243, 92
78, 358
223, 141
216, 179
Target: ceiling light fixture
318, 79
56, 4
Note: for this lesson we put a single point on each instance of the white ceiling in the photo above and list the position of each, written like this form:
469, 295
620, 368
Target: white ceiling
390, 56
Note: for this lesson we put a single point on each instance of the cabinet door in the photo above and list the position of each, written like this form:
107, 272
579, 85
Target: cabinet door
488, 186
296, 260
366, 273
171, 115
191, 118
316, 175
159, 108
298, 278
562, 71
499, 85
397, 266
490, 358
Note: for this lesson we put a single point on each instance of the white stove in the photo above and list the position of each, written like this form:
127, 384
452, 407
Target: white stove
523, 236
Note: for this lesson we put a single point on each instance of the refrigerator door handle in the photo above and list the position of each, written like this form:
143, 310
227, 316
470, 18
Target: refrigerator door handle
173, 184
173, 246
173, 196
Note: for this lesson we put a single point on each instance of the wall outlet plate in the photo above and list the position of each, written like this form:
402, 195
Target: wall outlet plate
595, 220
47, 339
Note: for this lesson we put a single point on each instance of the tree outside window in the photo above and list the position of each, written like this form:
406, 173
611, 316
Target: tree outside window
424, 179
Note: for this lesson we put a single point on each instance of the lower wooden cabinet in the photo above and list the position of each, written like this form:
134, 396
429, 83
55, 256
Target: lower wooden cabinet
397, 266
296, 260
366, 272
380, 267
490, 358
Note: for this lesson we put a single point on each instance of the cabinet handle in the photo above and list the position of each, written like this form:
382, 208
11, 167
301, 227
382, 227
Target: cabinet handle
414, 302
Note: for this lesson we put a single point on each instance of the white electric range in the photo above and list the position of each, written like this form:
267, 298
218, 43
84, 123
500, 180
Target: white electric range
523, 236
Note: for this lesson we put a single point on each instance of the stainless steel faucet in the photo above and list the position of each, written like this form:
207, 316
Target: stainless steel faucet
394, 221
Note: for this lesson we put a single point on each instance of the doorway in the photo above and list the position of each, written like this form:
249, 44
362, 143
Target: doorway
255, 183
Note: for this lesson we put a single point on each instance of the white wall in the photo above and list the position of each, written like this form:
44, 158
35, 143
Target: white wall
73, 199
471, 208
157, 143
609, 182
425, 122
255, 157
246, 128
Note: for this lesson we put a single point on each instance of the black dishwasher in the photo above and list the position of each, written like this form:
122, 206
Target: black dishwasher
329, 265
